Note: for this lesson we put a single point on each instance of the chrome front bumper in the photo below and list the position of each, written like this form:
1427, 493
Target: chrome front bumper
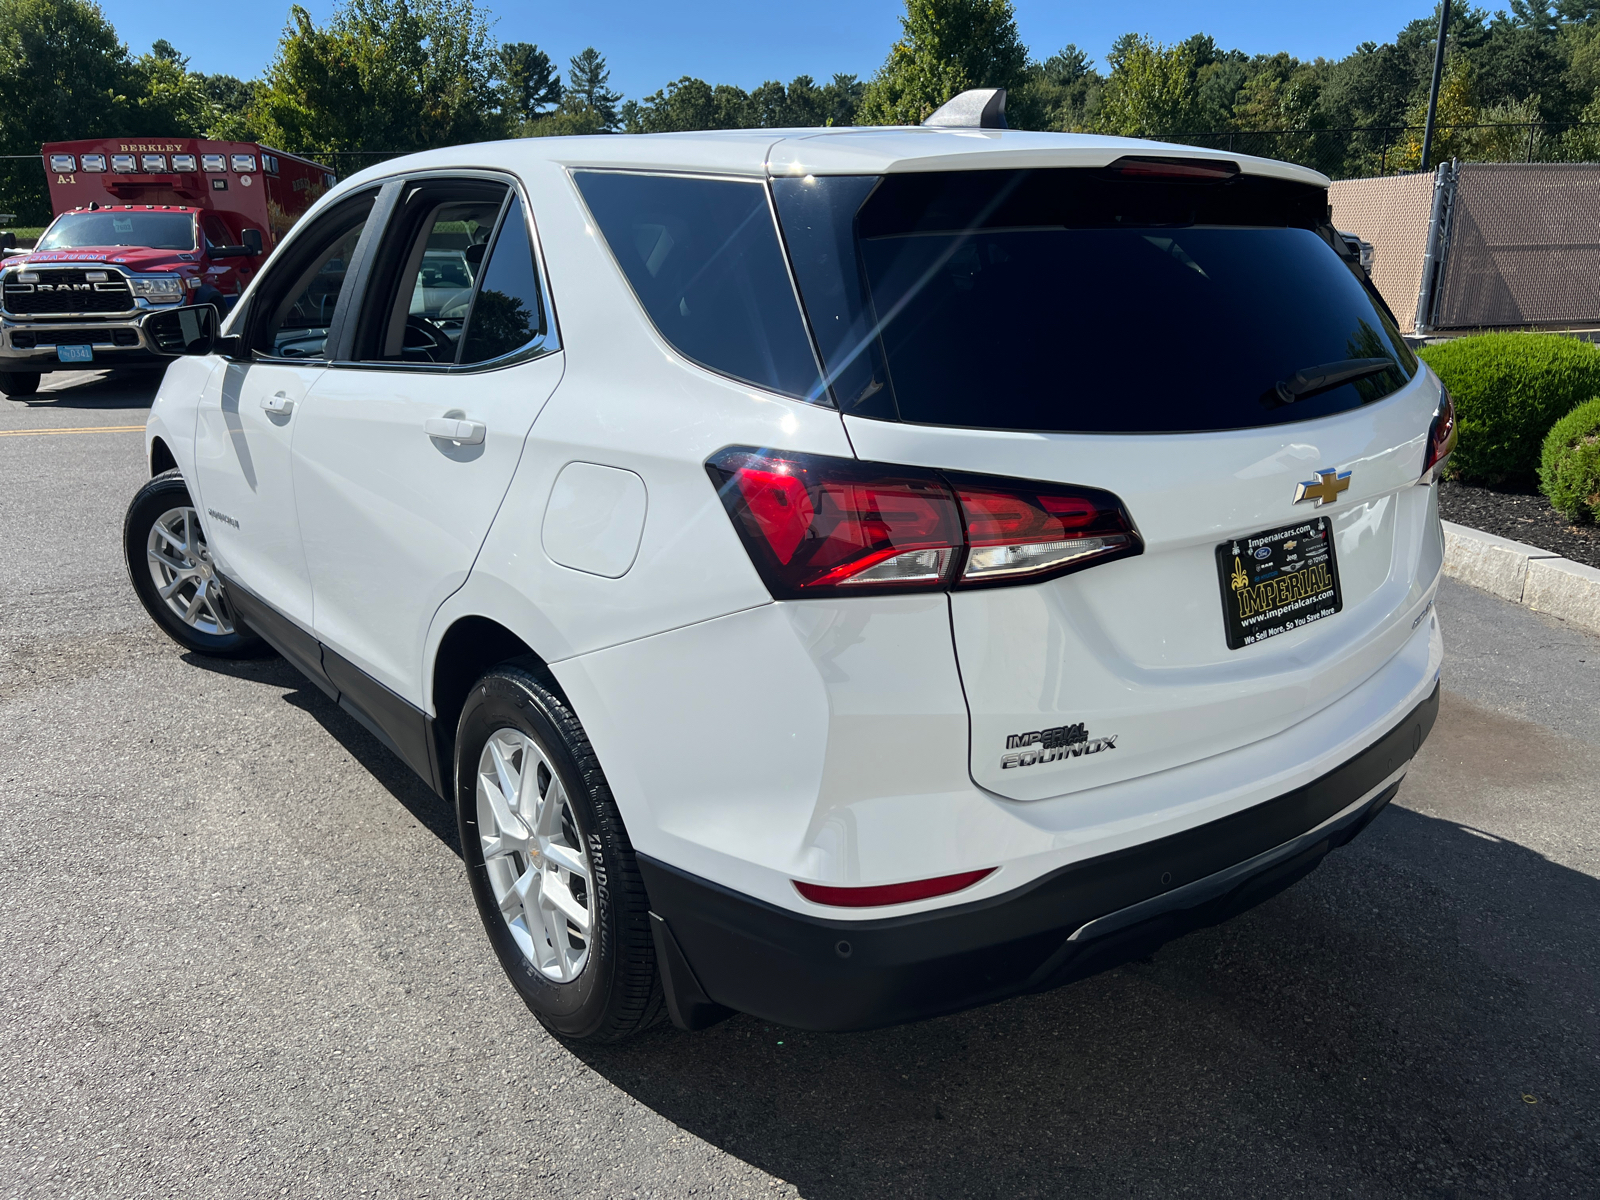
118, 341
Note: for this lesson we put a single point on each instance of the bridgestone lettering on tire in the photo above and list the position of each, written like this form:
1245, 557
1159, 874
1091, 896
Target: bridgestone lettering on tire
550, 863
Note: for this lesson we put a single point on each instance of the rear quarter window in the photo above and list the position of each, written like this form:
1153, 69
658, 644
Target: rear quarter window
703, 258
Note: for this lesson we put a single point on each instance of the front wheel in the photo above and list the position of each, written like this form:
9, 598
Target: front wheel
550, 863
19, 383
173, 576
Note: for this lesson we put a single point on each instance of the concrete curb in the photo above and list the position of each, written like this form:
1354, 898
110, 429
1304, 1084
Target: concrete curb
1523, 574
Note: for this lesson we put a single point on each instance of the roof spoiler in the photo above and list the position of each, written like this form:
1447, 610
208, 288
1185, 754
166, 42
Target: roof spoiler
980, 108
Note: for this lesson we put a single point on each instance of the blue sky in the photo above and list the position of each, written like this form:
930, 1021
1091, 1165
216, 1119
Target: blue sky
747, 41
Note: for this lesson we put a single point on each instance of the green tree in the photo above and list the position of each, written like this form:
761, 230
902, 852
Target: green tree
1152, 89
691, 103
586, 86
1065, 89
947, 47
63, 74
529, 82
382, 75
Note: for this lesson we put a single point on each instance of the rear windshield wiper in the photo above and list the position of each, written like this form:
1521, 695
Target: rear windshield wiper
1309, 380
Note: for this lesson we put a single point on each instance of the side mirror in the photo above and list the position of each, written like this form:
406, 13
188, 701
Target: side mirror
252, 242
190, 330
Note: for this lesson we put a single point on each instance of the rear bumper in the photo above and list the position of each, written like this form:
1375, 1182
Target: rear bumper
722, 951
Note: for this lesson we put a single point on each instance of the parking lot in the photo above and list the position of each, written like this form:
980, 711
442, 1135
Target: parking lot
239, 956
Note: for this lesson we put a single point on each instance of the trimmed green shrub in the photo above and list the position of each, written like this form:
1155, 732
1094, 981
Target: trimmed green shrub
1569, 470
1509, 388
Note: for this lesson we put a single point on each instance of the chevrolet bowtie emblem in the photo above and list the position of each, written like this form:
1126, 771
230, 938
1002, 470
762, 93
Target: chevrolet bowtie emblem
1324, 489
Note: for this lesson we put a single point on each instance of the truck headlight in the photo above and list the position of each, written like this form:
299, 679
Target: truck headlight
161, 289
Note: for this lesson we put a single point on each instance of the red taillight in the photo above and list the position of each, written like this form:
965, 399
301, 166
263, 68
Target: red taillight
1441, 438
1024, 531
889, 893
816, 525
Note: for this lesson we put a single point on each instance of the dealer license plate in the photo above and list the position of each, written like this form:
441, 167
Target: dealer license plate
1278, 580
75, 353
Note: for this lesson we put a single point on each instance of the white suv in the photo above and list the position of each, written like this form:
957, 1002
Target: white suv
837, 575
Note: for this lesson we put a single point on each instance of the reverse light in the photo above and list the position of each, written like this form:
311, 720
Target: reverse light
889, 893
1441, 438
815, 525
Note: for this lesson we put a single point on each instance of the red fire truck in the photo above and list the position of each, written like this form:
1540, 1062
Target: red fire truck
141, 224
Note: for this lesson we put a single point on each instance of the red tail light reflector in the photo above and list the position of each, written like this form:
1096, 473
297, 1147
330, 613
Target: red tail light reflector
816, 525
1441, 438
889, 893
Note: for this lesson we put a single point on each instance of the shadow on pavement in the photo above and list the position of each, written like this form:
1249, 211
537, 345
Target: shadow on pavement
432, 813
1420, 1016
110, 391
1365, 1031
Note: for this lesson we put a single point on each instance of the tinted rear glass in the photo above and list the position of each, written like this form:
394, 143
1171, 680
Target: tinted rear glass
1066, 300
703, 257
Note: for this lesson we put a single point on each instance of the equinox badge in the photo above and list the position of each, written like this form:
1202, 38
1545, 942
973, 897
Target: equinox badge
1324, 489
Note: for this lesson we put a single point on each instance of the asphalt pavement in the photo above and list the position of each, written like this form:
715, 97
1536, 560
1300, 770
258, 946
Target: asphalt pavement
238, 956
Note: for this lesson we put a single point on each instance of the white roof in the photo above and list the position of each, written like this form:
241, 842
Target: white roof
852, 150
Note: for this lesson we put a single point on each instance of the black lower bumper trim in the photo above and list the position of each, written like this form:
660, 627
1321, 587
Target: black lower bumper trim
732, 951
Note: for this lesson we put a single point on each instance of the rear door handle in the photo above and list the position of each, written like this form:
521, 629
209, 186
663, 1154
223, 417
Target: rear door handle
468, 433
279, 403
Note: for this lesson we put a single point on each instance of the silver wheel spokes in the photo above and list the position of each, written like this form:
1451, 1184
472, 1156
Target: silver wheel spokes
184, 577
534, 855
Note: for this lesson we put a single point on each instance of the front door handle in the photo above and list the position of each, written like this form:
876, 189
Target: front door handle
468, 433
279, 403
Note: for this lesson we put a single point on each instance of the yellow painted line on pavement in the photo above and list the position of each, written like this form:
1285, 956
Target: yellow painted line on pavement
79, 429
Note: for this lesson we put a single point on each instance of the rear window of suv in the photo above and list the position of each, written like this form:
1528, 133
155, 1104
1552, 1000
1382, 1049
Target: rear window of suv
1072, 300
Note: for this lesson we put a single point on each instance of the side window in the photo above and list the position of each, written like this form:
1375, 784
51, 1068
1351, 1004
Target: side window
440, 293
216, 232
702, 256
298, 310
508, 311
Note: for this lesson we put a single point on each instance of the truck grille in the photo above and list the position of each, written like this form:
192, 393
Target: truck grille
67, 291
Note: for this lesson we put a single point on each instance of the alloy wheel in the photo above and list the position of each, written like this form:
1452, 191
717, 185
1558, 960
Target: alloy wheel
533, 852
185, 578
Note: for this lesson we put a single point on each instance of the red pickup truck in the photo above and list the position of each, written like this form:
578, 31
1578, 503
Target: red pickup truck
141, 224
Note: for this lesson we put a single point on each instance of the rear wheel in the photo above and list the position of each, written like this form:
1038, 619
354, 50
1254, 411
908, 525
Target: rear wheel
19, 383
550, 863
172, 573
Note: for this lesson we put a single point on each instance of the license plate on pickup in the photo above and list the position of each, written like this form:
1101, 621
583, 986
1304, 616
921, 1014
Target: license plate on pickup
75, 353
1278, 580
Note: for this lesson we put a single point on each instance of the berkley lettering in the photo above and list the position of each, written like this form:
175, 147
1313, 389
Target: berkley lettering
1272, 595
151, 147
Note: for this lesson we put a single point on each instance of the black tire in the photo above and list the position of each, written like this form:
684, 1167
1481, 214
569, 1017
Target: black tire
163, 495
19, 383
617, 992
